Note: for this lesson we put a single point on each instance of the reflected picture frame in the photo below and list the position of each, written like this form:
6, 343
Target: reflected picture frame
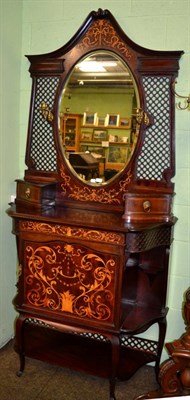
117, 154
86, 136
89, 118
112, 120
101, 121
125, 122
100, 135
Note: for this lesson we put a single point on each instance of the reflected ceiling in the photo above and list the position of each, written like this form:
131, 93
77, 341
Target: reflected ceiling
101, 69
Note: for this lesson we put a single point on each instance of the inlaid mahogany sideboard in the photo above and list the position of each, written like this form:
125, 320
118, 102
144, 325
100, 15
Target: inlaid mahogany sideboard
94, 254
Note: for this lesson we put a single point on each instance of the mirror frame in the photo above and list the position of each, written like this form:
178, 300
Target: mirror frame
123, 89
153, 71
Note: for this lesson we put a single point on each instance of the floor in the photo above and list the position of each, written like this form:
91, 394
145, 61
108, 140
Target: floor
47, 382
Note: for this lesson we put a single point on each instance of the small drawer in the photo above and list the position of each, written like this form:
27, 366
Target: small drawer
148, 207
37, 195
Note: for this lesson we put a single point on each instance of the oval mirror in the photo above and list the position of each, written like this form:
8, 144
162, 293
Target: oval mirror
97, 126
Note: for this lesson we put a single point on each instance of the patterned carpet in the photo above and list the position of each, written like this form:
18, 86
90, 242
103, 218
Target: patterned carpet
41, 381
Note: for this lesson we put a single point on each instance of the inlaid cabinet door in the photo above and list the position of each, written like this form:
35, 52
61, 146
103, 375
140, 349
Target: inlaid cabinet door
72, 280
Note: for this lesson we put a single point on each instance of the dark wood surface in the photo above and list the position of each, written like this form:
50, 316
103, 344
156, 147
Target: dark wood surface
137, 260
93, 260
97, 33
77, 216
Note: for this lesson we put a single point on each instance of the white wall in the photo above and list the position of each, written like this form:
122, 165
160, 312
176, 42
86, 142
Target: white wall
10, 58
162, 25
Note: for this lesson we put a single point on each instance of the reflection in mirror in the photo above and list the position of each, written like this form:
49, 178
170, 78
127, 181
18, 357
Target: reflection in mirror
97, 126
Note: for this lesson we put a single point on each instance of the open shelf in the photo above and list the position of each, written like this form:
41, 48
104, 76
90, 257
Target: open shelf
92, 356
137, 318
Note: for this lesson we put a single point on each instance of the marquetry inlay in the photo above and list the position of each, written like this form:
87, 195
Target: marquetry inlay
73, 232
99, 195
69, 278
102, 33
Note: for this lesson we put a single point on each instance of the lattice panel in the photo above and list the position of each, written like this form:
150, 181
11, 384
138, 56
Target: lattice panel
88, 335
38, 322
155, 154
131, 342
94, 336
147, 240
43, 151
140, 344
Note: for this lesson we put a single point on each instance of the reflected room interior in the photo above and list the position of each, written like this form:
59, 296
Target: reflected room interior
98, 134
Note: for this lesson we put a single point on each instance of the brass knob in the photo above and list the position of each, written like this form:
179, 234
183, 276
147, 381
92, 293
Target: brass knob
147, 206
27, 193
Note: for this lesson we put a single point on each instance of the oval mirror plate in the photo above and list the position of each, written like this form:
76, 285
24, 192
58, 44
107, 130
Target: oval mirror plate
97, 127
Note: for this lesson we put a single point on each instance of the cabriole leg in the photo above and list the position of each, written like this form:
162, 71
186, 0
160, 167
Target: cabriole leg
19, 343
115, 343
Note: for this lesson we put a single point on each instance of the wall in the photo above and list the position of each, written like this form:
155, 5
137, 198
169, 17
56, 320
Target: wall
99, 100
10, 57
162, 25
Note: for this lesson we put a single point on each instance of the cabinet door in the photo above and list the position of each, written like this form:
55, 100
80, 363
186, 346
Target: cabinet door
70, 132
73, 281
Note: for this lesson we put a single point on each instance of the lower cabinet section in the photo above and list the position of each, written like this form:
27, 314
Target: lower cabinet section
87, 292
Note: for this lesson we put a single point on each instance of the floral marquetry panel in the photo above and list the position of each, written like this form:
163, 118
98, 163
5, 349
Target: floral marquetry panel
68, 278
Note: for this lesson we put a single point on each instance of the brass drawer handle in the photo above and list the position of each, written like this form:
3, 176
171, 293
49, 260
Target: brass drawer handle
27, 193
147, 206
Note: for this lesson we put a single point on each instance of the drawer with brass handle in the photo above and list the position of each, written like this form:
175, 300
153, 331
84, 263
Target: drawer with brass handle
35, 195
155, 207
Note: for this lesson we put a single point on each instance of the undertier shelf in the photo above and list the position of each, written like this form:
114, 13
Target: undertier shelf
90, 354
